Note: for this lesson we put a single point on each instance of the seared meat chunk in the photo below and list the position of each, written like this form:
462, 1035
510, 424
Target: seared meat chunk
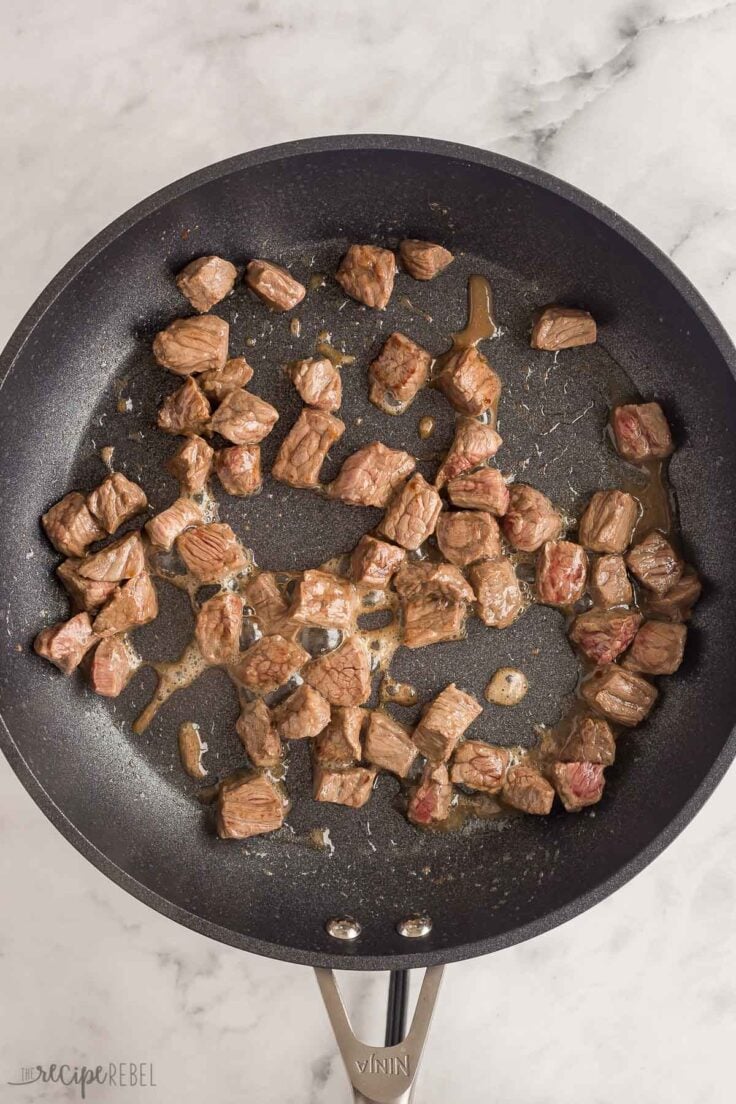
474, 443
388, 745
239, 469
371, 475
562, 328
258, 736
123, 559
658, 648
269, 663
243, 418
609, 582
116, 501
434, 601
480, 766
111, 667
343, 676
497, 590
86, 594
211, 552
185, 411
602, 635
589, 740
249, 807
270, 606
318, 382
164, 528
303, 450
218, 627
191, 464
274, 285
321, 598
562, 568
133, 604
415, 579
430, 801
530, 518
351, 786
608, 521
526, 789
485, 489
655, 563
677, 603
66, 643
339, 742
398, 372
620, 695
641, 432
422, 259
302, 715
70, 526
219, 382
206, 281
444, 721
578, 784
469, 382
366, 273
374, 562
465, 536
412, 514
191, 345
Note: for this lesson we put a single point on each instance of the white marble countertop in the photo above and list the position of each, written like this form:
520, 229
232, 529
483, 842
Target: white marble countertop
631, 101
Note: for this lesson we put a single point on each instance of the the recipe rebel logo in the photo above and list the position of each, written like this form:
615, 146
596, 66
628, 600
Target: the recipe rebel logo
119, 1075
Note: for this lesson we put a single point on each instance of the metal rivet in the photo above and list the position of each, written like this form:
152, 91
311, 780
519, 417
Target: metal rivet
414, 927
343, 927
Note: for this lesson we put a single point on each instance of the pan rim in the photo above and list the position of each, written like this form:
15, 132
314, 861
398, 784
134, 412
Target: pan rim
352, 958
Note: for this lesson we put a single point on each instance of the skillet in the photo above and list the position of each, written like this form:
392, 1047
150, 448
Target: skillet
83, 350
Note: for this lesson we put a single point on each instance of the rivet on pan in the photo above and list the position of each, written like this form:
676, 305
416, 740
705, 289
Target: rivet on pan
414, 927
343, 927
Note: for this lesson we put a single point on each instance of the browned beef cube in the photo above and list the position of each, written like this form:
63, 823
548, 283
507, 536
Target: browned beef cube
430, 801
641, 432
243, 418
191, 345
211, 552
263, 595
164, 528
578, 784
112, 665
469, 382
249, 807
412, 514
485, 489
302, 715
258, 736
123, 559
658, 648
321, 598
219, 382
602, 635
66, 643
562, 328
388, 745
318, 382
185, 411
339, 742
620, 695
70, 526
398, 372
480, 766
415, 579
530, 518
562, 568
608, 521
443, 723
589, 740
497, 590
366, 273
304, 449
677, 603
473, 444
351, 786
218, 627
465, 536
422, 259
371, 475
274, 285
191, 464
86, 594
609, 582
116, 501
374, 562
206, 281
134, 603
655, 563
343, 676
239, 469
434, 601
526, 789
269, 663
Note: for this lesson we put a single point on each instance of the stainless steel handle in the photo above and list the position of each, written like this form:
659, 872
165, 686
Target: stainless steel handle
381, 1075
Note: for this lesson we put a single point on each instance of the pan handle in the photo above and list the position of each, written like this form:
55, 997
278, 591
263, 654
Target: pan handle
381, 1075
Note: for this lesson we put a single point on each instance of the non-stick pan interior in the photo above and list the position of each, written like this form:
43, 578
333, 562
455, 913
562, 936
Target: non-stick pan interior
84, 379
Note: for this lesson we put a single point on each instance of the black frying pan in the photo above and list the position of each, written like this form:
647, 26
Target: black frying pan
124, 800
